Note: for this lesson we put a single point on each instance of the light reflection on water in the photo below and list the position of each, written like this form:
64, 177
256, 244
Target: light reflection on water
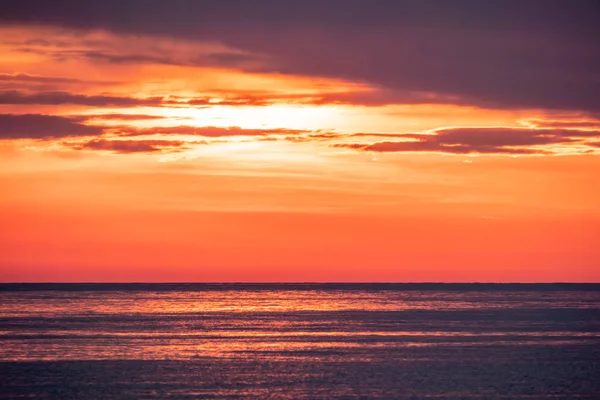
182, 324
400, 335
131, 302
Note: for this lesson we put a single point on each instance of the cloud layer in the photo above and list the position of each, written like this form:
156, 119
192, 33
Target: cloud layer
139, 76
128, 139
504, 54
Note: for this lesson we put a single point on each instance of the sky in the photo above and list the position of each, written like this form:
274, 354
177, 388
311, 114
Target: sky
301, 141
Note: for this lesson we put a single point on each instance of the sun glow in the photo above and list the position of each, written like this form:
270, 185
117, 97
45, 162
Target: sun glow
199, 147
262, 117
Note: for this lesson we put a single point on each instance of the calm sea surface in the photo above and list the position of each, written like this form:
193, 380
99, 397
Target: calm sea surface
419, 341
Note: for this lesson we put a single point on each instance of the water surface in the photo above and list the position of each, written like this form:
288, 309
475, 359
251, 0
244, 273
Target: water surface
464, 341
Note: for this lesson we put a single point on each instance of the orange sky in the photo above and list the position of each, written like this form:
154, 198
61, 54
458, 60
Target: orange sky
147, 157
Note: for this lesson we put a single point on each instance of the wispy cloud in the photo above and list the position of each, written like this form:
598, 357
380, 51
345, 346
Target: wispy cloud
206, 131
568, 123
21, 77
58, 98
480, 140
135, 146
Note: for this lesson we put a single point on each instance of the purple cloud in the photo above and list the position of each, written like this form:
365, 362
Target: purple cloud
56, 98
478, 140
495, 54
38, 126
133, 146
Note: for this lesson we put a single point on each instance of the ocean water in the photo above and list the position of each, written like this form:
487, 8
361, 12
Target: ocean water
356, 341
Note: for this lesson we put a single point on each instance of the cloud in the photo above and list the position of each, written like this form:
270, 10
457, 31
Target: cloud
380, 97
62, 97
564, 123
134, 146
123, 139
125, 142
373, 97
508, 55
249, 99
28, 84
122, 117
99, 46
207, 131
21, 77
427, 146
231, 101
234, 60
508, 136
315, 137
58, 97
479, 140
38, 126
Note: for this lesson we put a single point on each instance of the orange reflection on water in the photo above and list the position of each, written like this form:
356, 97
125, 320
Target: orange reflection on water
190, 302
274, 324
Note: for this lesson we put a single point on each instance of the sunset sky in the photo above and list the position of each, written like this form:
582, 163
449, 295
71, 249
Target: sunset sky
299, 140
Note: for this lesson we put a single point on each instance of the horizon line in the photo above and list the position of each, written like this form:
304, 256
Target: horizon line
295, 283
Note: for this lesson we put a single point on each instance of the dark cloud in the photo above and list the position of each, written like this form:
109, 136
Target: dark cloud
110, 57
20, 77
134, 146
478, 140
255, 100
62, 97
56, 98
507, 136
119, 58
19, 82
183, 17
496, 54
100, 52
38, 126
234, 60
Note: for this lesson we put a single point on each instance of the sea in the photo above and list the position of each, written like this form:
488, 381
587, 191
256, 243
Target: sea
300, 341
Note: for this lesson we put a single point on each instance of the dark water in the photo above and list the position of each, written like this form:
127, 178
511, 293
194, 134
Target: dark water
300, 341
